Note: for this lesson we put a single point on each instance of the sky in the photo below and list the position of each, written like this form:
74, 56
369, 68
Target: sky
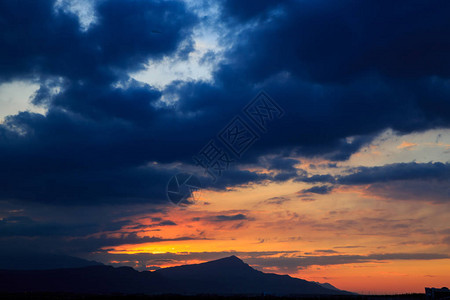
330, 121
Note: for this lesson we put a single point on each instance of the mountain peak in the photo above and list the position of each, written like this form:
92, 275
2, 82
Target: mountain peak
227, 266
231, 262
231, 259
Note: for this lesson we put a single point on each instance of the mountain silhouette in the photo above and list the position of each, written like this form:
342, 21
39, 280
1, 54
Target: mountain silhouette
42, 261
224, 276
231, 275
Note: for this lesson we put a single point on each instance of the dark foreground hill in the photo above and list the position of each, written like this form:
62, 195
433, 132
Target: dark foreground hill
227, 276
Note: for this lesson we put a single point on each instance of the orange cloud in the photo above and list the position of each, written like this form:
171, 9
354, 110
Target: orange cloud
406, 145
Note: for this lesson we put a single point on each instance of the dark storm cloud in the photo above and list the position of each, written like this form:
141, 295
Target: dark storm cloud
77, 245
60, 229
24, 226
398, 171
234, 177
41, 40
376, 65
281, 163
96, 243
245, 11
74, 181
91, 146
158, 224
404, 181
336, 41
338, 69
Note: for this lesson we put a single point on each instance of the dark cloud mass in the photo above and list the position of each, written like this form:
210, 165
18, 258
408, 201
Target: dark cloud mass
42, 40
339, 69
95, 138
399, 171
102, 127
405, 181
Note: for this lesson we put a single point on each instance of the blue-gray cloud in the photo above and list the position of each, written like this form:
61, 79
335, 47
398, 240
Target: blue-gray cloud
319, 189
398, 171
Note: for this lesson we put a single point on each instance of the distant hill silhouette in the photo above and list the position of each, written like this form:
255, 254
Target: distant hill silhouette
225, 276
42, 261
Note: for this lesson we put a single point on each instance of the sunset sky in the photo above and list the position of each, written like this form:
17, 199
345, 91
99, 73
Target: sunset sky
347, 181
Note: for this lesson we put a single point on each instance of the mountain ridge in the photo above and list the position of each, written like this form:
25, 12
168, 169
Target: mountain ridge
42, 261
225, 276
